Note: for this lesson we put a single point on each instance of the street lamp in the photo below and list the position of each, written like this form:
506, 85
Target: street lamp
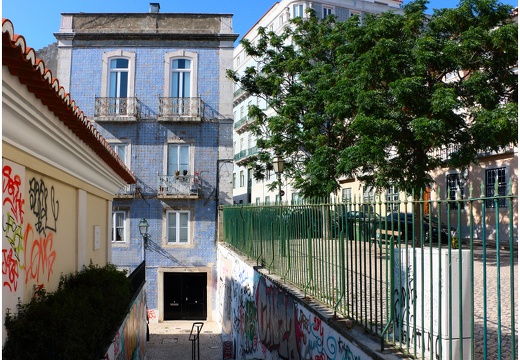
143, 230
278, 165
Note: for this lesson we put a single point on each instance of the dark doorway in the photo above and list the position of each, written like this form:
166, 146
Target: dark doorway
185, 296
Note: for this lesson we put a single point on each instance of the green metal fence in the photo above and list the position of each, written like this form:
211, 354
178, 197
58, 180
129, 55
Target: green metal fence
435, 278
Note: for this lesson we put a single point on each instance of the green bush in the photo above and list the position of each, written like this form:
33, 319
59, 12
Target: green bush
78, 321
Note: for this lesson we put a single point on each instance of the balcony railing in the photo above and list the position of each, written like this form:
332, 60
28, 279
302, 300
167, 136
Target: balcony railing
446, 153
116, 109
238, 92
126, 191
180, 109
179, 186
243, 124
239, 156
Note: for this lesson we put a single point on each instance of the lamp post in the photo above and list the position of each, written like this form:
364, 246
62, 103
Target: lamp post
278, 165
143, 230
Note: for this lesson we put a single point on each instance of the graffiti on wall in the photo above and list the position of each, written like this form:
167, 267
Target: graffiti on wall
130, 340
269, 323
28, 251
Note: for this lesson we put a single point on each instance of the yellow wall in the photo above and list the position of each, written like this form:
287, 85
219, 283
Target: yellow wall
47, 229
97, 218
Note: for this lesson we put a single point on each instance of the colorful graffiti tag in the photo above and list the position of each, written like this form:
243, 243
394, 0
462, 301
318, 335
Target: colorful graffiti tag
28, 247
270, 323
130, 340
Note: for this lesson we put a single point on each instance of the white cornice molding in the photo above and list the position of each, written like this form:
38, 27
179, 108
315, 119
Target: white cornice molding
29, 125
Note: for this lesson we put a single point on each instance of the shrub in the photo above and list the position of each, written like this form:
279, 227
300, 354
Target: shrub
78, 321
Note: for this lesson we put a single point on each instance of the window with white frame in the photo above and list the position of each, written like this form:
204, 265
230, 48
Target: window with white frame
454, 189
327, 10
180, 69
178, 159
257, 201
118, 81
297, 10
178, 229
234, 180
392, 198
242, 178
496, 179
368, 199
267, 200
346, 195
123, 151
119, 226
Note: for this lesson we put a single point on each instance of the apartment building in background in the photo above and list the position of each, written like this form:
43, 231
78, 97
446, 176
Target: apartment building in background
495, 169
154, 84
246, 189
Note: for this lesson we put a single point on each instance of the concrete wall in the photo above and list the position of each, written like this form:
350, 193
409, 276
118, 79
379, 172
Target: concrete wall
262, 319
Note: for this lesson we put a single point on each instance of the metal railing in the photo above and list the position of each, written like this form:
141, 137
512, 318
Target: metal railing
431, 281
115, 109
178, 185
180, 108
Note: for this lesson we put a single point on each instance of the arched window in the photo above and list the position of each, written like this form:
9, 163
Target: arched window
180, 69
180, 78
118, 81
117, 85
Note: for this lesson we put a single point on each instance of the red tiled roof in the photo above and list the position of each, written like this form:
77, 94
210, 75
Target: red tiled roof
22, 62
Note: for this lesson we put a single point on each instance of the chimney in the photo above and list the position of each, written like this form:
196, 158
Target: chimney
155, 7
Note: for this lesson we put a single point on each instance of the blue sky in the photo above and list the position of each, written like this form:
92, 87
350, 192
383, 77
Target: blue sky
38, 20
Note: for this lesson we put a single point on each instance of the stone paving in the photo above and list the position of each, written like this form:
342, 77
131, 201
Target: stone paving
171, 340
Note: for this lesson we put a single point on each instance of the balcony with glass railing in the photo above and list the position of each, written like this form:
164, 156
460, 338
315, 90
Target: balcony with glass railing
116, 109
180, 109
179, 186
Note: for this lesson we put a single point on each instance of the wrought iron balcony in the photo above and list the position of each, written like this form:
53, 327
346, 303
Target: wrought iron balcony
242, 157
180, 109
127, 191
239, 156
179, 186
243, 124
116, 109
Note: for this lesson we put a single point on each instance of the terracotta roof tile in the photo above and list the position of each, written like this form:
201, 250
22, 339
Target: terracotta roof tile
22, 62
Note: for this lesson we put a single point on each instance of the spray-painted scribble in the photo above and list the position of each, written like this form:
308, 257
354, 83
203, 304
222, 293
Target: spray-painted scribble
12, 194
42, 256
28, 243
38, 197
284, 328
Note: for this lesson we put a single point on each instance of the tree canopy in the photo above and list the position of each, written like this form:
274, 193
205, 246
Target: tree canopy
387, 99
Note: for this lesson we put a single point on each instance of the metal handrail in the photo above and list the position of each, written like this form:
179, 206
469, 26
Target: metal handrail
388, 273
194, 338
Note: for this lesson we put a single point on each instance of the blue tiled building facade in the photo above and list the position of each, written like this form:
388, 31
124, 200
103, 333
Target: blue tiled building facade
154, 85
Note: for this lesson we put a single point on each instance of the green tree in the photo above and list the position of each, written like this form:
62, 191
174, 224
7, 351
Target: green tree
384, 100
